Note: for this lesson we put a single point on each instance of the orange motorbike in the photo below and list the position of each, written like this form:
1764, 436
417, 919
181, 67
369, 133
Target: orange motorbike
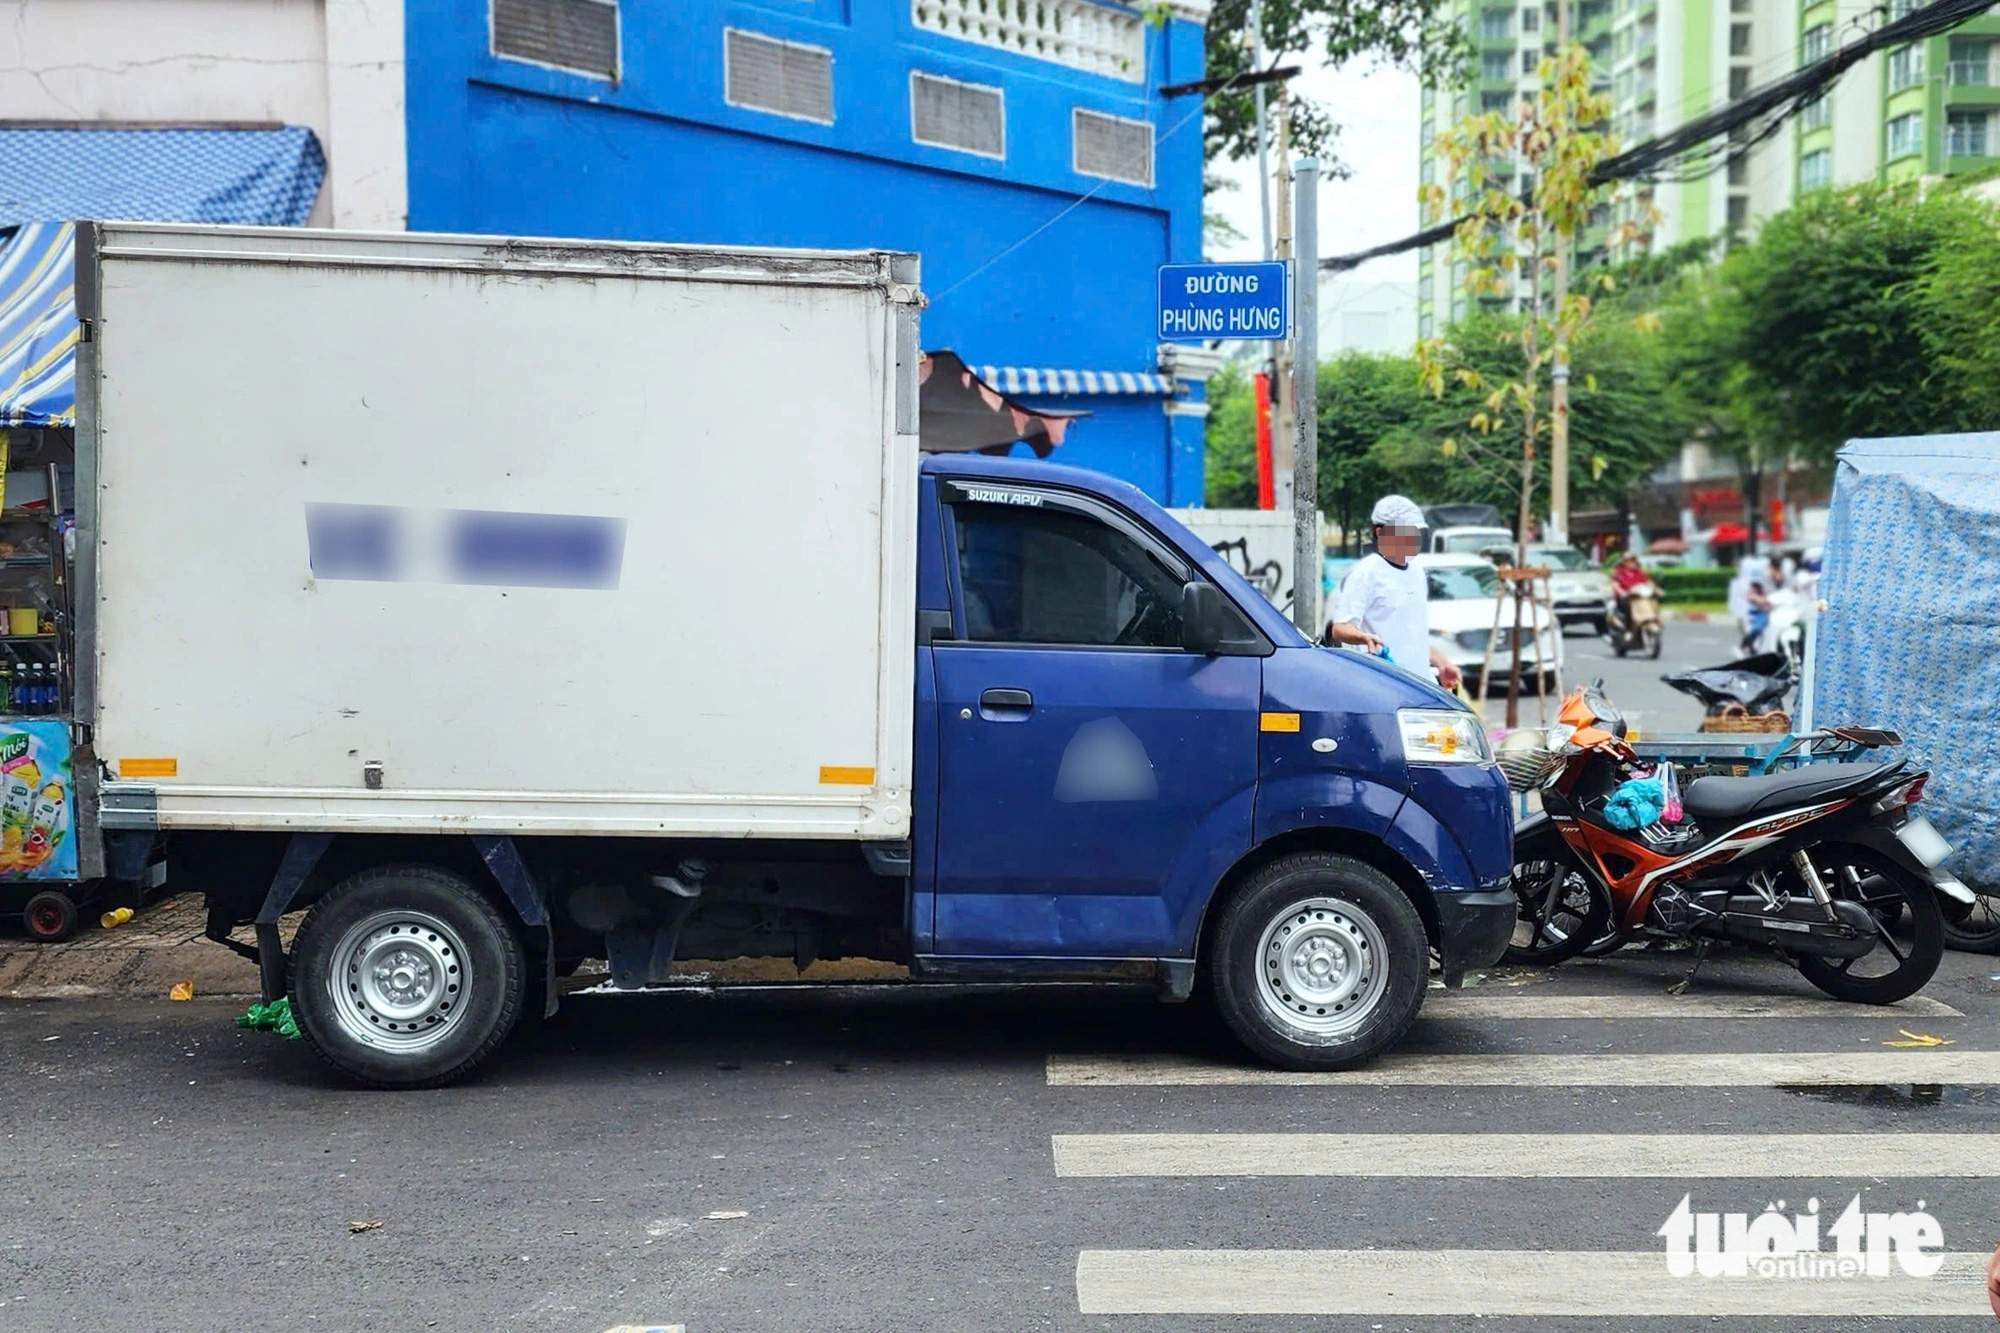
1825, 866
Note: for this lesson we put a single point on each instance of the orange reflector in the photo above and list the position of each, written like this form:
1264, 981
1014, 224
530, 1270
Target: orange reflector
149, 768
1278, 722
836, 776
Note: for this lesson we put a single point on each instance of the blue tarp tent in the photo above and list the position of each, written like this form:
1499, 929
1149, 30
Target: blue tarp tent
48, 176
1910, 638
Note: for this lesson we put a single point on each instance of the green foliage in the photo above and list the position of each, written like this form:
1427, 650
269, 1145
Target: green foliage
1680, 584
1960, 294
1231, 472
1380, 430
1413, 34
1860, 311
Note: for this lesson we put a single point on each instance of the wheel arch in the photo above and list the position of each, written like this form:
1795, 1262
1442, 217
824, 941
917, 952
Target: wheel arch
1362, 846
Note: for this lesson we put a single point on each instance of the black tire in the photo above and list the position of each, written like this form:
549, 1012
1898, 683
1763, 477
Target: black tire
1974, 929
470, 965
49, 917
1653, 642
1892, 895
1310, 898
1559, 918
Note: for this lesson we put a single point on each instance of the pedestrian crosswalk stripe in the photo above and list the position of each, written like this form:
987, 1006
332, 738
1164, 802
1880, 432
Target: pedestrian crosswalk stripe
1544, 1004
1677, 1069
1520, 1156
1604, 1284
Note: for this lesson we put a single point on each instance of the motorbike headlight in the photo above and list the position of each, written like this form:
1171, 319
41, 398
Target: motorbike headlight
1442, 736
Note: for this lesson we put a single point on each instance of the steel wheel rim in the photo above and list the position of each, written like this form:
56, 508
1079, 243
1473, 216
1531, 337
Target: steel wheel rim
45, 919
1323, 967
399, 980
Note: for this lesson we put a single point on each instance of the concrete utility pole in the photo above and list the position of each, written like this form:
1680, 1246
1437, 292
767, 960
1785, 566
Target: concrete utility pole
1263, 158
1305, 391
1558, 527
1284, 424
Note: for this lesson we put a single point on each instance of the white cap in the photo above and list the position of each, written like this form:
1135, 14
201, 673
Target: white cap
1397, 511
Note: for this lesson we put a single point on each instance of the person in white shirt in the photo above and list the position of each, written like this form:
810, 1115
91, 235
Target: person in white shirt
1382, 604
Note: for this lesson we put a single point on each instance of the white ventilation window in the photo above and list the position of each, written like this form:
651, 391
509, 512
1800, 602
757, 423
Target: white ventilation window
1112, 147
576, 35
969, 117
784, 78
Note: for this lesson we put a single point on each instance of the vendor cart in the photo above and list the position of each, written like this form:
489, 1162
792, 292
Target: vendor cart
1754, 754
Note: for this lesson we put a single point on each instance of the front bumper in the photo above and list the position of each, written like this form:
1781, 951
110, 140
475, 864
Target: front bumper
1473, 930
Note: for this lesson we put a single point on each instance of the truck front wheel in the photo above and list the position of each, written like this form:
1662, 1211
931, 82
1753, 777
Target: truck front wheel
1319, 962
406, 977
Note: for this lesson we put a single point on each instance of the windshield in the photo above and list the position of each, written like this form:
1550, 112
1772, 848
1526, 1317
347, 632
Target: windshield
1471, 543
1562, 557
1457, 583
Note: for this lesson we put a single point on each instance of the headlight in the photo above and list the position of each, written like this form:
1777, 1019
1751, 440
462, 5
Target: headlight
1442, 736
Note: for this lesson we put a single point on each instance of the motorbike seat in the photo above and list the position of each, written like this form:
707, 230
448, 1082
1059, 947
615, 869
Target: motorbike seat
1716, 799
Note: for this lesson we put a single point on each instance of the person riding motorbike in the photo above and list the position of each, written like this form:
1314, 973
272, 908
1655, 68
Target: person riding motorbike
1626, 575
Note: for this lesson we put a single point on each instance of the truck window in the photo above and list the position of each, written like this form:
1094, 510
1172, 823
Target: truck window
1050, 576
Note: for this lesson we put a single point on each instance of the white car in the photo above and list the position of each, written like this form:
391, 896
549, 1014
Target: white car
1464, 597
1467, 541
1580, 590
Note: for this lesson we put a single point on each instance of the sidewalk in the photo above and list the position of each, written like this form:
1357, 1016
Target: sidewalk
145, 957
164, 945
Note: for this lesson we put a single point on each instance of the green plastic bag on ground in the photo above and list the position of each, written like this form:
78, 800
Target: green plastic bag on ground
273, 1017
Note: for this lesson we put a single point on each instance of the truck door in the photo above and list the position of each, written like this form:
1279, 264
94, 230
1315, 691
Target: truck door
1095, 777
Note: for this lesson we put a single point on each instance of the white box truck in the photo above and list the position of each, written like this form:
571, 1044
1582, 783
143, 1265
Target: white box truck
510, 603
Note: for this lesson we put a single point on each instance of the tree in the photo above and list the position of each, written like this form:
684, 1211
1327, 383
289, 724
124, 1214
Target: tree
1230, 472
1960, 296
1624, 422
1415, 34
1505, 239
1846, 318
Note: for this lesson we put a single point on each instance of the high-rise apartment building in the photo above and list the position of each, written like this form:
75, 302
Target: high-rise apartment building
1930, 108
1925, 109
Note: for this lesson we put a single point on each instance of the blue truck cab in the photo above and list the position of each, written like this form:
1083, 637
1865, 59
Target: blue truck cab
1127, 758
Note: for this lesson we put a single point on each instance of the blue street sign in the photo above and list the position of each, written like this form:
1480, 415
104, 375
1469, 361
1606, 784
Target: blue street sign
1203, 301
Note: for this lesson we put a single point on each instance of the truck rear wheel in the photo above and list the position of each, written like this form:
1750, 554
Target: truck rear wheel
406, 977
1319, 962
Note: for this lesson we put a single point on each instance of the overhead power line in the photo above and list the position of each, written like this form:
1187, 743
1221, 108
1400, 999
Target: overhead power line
1691, 151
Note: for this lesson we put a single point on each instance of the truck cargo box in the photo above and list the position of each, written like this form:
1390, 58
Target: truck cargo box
421, 533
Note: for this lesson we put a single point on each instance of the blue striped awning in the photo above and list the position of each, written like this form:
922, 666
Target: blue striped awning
38, 326
1038, 379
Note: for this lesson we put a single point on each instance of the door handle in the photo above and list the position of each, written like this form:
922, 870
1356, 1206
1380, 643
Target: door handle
1011, 699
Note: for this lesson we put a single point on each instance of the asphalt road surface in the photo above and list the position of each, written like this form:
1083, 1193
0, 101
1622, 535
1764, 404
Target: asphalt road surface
894, 1158
1634, 682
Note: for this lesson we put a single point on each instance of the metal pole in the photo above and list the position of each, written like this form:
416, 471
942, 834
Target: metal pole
1558, 533
1305, 395
1263, 160
1285, 421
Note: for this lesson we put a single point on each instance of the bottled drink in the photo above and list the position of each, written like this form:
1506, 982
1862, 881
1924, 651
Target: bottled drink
6, 687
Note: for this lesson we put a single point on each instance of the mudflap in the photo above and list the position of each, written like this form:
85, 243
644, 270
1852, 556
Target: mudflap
1474, 930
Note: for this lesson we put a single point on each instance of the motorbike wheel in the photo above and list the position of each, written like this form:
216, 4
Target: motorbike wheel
1653, 637
1978, 930
1906, 953
1562, 912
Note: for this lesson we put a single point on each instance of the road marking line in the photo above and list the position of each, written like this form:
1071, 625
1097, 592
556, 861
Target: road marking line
1604, 1284
1529, 1004
1678, 1070
1524, 1156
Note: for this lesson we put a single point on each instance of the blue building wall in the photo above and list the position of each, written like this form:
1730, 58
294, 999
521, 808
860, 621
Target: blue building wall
502, 146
